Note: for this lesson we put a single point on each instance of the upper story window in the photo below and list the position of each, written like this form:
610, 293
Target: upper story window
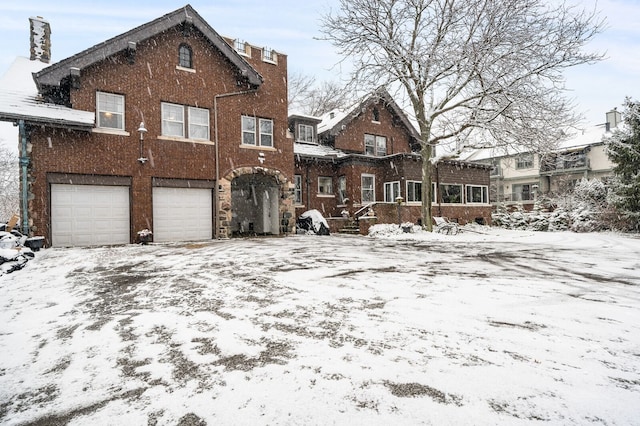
376, 115
262, 135
176, 119
305, 133
268, 55
524, 161
375, 145
241, 47
110, 111
185, 56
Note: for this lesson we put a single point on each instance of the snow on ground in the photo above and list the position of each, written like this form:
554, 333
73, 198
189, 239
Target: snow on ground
485, 327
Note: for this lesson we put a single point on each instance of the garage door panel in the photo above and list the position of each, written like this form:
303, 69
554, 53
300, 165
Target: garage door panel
86, 215
182, 214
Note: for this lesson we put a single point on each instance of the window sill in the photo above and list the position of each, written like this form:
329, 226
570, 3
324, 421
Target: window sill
269, 61
107, 131
191, 70
176, 139
326, 196
260, 148
375, 122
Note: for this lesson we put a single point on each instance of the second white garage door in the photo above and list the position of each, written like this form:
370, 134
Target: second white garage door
182, 214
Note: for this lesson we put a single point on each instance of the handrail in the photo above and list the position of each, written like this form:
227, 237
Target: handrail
366, 206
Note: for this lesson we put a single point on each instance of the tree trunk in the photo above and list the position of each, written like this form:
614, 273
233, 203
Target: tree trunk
427, 222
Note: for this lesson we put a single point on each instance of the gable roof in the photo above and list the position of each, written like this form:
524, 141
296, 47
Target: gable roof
54, 74
334, 121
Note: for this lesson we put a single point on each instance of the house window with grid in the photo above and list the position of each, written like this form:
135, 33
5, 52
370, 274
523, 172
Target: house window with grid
305, 133
524, 161
477, 194
185, 56
262, 135
268, 55
325, 185
367, 187
391, 191
297, 191
240, 46
450, 193
375, 145
178, 119
110, 111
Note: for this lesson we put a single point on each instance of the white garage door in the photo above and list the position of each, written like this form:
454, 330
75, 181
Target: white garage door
182, 214
89, 215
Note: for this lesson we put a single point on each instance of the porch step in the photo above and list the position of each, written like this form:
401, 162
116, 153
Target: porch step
352, 228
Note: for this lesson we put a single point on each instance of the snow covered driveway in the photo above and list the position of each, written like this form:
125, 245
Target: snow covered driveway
503, 327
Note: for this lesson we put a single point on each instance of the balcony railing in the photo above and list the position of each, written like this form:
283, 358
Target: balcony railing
566, 164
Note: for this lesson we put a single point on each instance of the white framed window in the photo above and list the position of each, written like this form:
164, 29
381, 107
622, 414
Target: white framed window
172, 120
524, 161
199, 123
110, 110
268, 55
342, 189
367, 188
325, 185
451, 193
477, 194
414, 191
391, 191
257, 136
305, 133
176, 118
297, 191
241, 47
375, 145
266, 132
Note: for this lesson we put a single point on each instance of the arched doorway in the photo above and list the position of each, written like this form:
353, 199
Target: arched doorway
255, 205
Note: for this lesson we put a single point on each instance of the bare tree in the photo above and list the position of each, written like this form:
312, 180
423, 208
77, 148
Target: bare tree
9, 184
308, 96
475, 73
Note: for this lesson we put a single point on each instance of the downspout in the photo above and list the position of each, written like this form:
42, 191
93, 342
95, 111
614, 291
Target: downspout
438, 196
24, 164
216, 200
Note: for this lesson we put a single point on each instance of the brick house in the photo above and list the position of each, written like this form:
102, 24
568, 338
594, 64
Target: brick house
168, 127
364, 158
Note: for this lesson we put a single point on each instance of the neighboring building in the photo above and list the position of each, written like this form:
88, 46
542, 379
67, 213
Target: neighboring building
348, 162
168, 127
519, 179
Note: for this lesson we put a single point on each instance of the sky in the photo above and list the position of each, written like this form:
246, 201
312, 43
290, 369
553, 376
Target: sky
292, 27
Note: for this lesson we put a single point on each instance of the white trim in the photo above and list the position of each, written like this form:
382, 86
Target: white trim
110, 131
191, 70
177, 139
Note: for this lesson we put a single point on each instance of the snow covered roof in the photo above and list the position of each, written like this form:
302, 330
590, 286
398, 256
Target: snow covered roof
576, 138
334, 121
53, 75
19, 100
317, 150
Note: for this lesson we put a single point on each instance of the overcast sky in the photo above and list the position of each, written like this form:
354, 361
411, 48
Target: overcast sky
289, 26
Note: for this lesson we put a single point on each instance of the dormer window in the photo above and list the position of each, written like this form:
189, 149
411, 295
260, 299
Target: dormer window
305, 133
185, 56
268, 55
241, 47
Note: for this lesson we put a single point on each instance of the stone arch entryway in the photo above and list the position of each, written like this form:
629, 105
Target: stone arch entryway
255, 201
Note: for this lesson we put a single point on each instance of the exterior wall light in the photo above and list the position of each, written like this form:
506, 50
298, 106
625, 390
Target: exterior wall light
142, 130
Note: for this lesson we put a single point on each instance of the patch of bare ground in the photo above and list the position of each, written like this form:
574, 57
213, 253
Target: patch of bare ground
413, 390
527, 325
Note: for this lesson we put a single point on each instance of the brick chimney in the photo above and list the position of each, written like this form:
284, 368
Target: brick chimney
40, 35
